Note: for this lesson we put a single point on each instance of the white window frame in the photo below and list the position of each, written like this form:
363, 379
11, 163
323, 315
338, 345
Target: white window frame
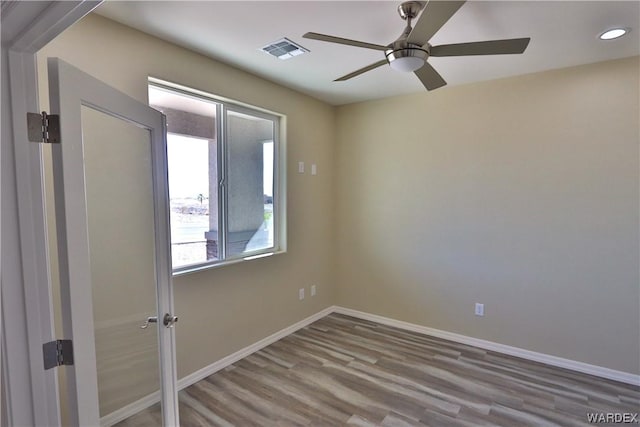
279, 174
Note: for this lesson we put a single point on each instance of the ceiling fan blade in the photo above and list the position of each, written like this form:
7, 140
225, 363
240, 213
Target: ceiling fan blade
434, 15
361, 70
340, 40
430, 77
491, 47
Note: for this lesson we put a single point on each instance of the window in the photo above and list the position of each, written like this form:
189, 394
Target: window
224, 178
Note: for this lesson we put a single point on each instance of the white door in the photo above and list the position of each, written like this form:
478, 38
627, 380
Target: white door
112, 213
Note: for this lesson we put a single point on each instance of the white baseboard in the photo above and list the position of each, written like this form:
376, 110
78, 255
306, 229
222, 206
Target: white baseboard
560, 362
131, 409
234, 357
147, 401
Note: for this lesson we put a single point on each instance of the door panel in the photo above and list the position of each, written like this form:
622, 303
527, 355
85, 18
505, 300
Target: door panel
111, 199
119, 191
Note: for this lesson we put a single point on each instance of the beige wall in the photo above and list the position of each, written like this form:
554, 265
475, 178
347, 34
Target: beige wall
520, 193
225, 309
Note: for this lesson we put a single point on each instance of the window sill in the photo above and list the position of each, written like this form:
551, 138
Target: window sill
183, 271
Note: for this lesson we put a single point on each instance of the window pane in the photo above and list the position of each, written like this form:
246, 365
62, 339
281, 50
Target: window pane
250, 158
190, 199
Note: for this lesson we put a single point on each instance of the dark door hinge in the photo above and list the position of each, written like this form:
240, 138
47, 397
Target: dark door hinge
57, 353
43, 128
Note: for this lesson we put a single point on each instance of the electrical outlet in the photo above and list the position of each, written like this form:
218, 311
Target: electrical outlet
300, 167
301, 294
314, 169
479, 309
313, 290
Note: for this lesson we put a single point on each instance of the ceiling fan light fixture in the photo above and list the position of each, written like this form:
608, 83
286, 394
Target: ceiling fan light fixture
407, 60
613, 33
407, 64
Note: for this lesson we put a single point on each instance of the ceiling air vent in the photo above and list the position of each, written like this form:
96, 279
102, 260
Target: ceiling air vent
284, 49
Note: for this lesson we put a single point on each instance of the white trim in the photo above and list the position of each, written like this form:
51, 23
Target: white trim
586, 368
259, 345
130, 410
33, 239
56, 18
135, 407
31, 393
197, 93
599, 371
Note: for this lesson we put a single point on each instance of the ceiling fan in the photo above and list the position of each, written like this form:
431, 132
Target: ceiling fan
412, 49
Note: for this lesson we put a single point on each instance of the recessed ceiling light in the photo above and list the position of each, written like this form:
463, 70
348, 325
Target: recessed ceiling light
614, 33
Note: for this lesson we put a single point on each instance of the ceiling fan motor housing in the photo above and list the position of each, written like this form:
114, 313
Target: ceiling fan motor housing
406, 57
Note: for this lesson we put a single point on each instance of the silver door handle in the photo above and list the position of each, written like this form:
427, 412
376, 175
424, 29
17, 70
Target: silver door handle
145, 325
169, 320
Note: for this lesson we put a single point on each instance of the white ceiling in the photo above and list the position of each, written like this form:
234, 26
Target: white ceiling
563, 33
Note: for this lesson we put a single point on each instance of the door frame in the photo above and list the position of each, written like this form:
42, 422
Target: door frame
31, 393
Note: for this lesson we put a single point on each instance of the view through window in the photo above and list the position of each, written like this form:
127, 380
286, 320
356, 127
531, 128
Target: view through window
189, 198
222, 164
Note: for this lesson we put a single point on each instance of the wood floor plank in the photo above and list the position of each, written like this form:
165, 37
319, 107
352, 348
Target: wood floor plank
346, 371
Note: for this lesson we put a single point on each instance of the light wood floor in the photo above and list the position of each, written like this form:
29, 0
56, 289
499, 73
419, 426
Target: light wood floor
345, 371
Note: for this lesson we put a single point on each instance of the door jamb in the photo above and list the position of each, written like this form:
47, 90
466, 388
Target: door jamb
33, 400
